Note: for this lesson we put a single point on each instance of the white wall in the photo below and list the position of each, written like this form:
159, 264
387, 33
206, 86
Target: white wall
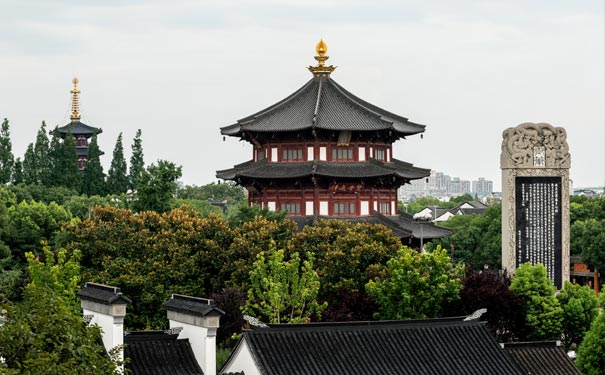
242, 360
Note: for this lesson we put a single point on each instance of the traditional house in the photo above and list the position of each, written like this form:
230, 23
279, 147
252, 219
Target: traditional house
79, 130
438, 214
323, 152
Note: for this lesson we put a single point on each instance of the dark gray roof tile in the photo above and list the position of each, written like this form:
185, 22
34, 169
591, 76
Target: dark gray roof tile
105, 294
192, 305
542, 358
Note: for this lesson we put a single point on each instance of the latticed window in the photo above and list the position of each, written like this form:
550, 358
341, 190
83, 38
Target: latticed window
82, 162
295, 154
260, 154
342, 154
384, 208
379, 154
81, 142
344, 208
291, 208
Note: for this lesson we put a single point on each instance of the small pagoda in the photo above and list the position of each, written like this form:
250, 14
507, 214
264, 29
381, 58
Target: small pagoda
322, 152
80, 131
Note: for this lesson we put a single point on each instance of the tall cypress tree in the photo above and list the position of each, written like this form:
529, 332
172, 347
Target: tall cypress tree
18, 172
30, 172
41, 149
117, 179
6, 154
93, 178
55, 152
137, 163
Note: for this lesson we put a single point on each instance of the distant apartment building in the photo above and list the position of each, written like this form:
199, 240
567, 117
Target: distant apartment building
439, 184
482, 187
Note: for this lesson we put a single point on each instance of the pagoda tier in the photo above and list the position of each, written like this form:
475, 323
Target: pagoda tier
78, 129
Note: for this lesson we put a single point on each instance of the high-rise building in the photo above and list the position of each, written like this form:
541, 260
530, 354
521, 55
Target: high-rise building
482, 186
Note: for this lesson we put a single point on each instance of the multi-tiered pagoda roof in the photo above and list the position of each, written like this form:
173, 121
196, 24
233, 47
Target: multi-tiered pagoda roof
323, 152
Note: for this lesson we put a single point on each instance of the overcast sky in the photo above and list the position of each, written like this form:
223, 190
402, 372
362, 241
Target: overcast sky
180, 70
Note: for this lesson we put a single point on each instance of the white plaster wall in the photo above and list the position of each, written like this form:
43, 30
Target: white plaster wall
271, 205
322, 154
323, 208
203, 344
274, 154
310, 153
388, 154
362, 154
309, 208
364, 208
242, 360
393, 208
375, 205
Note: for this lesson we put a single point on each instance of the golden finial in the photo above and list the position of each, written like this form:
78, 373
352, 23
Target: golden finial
321, 69
75, 101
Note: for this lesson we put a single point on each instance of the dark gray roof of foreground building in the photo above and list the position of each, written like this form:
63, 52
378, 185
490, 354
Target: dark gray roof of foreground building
542, 358
437, 346
323, 104
159, 353
365, 169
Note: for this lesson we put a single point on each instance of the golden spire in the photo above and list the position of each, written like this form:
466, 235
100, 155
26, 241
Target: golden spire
75, 101
321, 69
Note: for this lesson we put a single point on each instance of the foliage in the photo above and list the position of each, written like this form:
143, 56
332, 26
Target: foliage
543, 314
229, 191
245, 214
416, 285
42, 193
156, 187
41, 157
204, 208
591, 353
31, 223
488, 289
249, 240
151, 256
231, 300
588, 239
476, 239
579, 306
347, 256
583, 208
6, 153
137, 162
18, 177
283, 291
65, 165
30, 169
44, 333
117, 178
93, 178
420, 203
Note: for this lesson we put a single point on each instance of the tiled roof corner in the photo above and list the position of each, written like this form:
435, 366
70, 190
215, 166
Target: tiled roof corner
105, 294
192, 305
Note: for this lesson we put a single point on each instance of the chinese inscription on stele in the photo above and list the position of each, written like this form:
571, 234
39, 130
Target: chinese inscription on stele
535, 164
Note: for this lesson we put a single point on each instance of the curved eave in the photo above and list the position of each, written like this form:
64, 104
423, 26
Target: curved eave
323, 104
369, 169
78, 128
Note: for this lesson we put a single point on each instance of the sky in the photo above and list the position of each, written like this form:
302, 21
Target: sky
181, 69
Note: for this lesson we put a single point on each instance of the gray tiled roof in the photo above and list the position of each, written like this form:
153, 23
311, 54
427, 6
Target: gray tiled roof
323, 104
105, 294
192, 305
437, 346
371, 168
79, 128
424, 230
542, 358
159, 353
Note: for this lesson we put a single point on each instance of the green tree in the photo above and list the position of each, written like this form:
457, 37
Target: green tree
283, 291
44, 333
579, 310
71, 173
152, 256
117, 178
476, 239
588, 240
156, 187
41, 156
137, 162
93, 178
543, 314
591, 352
416, 285
55, 156
18, 176
41, 193
30, 171
6, 154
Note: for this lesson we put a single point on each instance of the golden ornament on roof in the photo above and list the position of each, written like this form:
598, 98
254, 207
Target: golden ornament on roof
75, 101
321, 69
